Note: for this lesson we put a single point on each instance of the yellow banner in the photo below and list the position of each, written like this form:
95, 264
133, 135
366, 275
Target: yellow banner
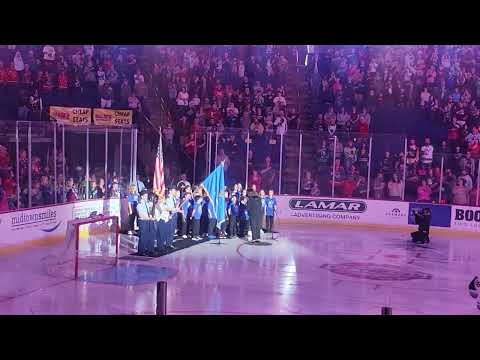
108, 117
71, 115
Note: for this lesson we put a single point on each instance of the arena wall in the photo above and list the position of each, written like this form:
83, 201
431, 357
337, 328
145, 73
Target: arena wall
45, 225
389, 214
23, 229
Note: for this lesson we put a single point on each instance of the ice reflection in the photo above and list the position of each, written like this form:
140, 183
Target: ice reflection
287, 284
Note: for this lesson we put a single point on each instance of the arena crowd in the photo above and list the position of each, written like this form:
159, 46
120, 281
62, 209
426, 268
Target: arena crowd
231, 93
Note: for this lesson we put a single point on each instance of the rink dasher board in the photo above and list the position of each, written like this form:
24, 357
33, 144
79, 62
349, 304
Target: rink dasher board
48, 224
387, 214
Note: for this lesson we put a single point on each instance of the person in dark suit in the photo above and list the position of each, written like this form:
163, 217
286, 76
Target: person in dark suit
422, 219
255, 211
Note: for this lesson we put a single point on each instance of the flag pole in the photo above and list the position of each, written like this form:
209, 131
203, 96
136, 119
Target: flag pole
222, 192
159, 160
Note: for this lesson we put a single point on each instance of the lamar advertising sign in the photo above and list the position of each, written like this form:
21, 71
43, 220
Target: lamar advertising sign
328, 205
465, 218
346, 211
73, 116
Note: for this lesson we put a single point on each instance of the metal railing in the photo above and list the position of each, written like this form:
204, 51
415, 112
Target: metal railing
42, 158
340, 165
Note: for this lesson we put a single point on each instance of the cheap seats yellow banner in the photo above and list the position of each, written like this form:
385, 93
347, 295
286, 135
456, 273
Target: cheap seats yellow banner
108, 117
75, 116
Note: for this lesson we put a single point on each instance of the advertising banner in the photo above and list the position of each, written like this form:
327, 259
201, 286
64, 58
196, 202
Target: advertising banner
343, 211
49, 222
109, 117
441, 214
73, 116
21, 226
465, 218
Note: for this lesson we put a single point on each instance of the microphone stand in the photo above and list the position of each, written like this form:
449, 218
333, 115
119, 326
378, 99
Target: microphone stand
219, 242
275, 217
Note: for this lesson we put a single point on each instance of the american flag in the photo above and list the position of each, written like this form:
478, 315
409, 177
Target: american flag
159, 176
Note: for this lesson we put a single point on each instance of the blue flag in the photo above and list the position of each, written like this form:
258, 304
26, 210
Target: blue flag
214, 185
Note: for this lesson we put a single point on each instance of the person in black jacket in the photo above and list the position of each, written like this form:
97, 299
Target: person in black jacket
422, 219
255, 211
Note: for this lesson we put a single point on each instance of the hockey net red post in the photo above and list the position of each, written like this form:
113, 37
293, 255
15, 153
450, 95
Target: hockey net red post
97, 226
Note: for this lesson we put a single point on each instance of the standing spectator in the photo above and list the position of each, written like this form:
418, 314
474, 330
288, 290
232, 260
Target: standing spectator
424, 98
221, 156
46, 191
426, 151
315, 190
363, 160
363, 124
140, 87
134, 104
281, 124
467, 180
106, 95
182, 101
412, 153
62, 90
256, 127
378, 187
279, 100
460, 193
99, 190
114, 192
387, 165
48, 54
89, 50
125, 91
424, 192
255, 180
350, 154
293, 119
19, 64
267, 173
467, 163
342, 119
168, 133
473, 141
473, 197
101, 76
307, 183
395, 188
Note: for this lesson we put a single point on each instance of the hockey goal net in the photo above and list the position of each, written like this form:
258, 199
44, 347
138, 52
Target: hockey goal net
91, 244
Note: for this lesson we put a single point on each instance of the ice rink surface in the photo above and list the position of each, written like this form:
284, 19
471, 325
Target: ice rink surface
302, 270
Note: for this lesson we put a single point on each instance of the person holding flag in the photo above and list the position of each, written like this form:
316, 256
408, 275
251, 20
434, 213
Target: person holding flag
165, 227
214, 187
212, 219
159, 174
146, 224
